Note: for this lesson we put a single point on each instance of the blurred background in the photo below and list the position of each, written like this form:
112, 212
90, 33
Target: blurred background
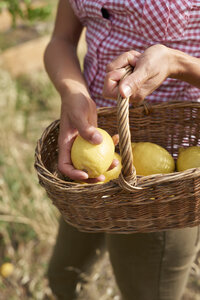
28, 104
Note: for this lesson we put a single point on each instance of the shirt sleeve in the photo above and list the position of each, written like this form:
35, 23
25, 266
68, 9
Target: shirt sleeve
78, 8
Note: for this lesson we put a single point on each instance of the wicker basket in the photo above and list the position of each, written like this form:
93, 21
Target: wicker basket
130, 203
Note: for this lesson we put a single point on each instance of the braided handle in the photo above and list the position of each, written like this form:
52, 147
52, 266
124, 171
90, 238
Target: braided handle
127, 178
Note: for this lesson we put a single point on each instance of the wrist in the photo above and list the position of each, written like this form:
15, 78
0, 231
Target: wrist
69, 88
179, 64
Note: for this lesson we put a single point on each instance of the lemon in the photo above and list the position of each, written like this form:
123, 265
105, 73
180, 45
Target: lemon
133, 145
6, 269
188, 158
113, 173
110, 174
150, 158
93, 159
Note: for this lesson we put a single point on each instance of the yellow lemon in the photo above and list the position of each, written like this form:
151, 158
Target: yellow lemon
6, 269
93, 159
133, 145
150, 158
113, 173
188, 158
110, 174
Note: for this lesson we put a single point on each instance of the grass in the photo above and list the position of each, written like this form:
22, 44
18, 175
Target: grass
28, 221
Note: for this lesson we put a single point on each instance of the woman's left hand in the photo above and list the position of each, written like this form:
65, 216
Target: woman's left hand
151, 68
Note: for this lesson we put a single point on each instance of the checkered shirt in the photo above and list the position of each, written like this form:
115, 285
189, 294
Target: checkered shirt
138, 24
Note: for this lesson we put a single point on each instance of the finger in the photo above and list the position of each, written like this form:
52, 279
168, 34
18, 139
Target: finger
69, 171
115, 139
127, 58
110, 88
132, 84
114, 164
100, 178
65, 165
89, 132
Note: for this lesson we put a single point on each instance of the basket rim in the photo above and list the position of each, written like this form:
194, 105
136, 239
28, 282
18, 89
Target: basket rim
142, 181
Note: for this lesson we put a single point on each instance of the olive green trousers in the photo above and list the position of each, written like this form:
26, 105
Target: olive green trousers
147, 266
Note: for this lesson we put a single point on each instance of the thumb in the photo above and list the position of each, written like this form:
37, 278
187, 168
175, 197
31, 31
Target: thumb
132, 84
90, 133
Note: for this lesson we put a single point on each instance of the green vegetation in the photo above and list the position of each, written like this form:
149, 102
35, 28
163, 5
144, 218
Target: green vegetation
25, 10
28, 220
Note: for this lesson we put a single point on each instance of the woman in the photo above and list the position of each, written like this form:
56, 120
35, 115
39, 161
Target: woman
161, 40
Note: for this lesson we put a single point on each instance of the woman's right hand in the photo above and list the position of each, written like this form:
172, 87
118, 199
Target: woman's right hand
78, 115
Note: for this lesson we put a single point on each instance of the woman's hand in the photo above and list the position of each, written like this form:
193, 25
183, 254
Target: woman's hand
78, 115
151, 68
78, 111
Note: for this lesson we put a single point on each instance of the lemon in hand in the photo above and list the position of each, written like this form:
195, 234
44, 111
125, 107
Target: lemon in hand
93, 159
150, 158
188, 158
113, 173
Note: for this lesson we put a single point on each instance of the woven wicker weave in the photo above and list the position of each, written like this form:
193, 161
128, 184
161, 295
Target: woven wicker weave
130, 203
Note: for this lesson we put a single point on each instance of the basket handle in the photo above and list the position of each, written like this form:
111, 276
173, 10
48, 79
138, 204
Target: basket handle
127, 178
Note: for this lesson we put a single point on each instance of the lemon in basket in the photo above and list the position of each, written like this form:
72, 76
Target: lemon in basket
150, 158
188, 158
93, 159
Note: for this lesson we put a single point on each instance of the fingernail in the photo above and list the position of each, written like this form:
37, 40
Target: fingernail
127, 91
115, 162
84, 176
97, 138
101, 178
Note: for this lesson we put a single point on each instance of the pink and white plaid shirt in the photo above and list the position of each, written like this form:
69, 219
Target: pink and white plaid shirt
116, 26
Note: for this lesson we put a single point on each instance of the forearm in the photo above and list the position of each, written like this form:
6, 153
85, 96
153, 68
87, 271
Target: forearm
185, 67
63, 67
